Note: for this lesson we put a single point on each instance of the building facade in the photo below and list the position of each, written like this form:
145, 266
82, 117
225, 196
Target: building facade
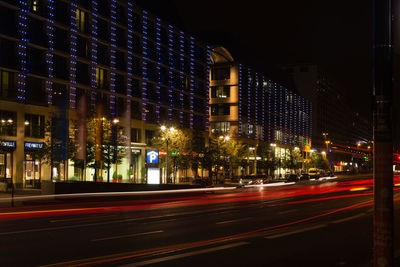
58, 55
248, 105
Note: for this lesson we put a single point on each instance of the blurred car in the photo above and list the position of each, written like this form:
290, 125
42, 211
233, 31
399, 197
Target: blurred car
202, 183
304, 177
292, 178
314, 173
247, 179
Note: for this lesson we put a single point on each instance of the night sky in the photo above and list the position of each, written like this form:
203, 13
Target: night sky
335, 34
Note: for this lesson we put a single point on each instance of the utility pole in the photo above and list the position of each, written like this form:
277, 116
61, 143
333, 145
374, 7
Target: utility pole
382, 134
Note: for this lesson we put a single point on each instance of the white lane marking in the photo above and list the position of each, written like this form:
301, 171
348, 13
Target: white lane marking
188, 254
349, 218
296, 231
236, 220
156, 192
104, 223
124, 236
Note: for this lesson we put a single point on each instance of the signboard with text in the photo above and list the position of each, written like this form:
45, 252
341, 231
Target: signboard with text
33, 145
8, 144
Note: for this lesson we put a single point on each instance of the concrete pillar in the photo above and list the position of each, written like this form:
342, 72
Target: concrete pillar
19, 154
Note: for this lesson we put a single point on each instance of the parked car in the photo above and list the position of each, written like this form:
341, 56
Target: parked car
304, 177
292, 178
314, 173
202, 182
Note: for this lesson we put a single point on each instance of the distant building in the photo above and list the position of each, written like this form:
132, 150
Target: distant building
334, 120
248, 105
58, 53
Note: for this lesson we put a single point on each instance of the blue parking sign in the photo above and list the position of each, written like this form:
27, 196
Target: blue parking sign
152, 156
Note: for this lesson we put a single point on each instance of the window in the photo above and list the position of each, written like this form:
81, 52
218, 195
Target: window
220, 109
7, 88
120, 85
102, 54
101, 78
82, 73
220, 91
149, 136
35, 91
136, 135
35, 61
81, 20
220, 127
82, 47
102, 27
220, 73
120, 60
59, 12
61, 40
7, 53
136, 110
34, 126
8, 123
33, 5
60, 98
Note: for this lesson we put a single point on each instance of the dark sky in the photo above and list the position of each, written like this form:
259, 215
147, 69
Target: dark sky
336, 34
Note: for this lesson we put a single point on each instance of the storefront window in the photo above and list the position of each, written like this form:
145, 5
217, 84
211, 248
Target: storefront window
5, 165
32, 171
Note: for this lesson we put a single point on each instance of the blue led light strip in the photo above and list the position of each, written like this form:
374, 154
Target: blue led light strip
158, 49
49, 55
113, 29
170, 73
207, 110
72, 68
93, 45
144, 63
192, 81
21, 50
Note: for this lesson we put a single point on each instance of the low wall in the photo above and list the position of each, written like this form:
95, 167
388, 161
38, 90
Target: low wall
49, 188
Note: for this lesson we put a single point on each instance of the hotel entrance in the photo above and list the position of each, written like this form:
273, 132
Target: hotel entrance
32, 164
32, 169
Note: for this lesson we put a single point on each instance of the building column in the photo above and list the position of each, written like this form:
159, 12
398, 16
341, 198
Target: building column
19, 154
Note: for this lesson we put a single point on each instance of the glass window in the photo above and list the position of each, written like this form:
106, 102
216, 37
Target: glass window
34, 126
8, 123
149, 136
7, 88
220, 109
101, 78
220, 127
220, 73
136, 135
220, 91
81, 20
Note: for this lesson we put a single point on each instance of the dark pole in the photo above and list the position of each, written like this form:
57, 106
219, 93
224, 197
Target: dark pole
382, 134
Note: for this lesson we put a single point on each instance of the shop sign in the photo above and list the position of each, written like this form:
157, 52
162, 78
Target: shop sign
8, 144
33, 145
152, 156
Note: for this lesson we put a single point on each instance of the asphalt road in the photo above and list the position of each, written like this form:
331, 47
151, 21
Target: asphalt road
310, 224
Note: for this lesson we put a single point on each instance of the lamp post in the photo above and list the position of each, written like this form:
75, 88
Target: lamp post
167, 138
274, 146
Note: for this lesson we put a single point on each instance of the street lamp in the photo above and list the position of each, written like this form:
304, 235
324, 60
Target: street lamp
274, 146
167, 138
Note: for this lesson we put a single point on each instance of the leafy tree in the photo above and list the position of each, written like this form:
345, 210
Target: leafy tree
318, 161
293, 159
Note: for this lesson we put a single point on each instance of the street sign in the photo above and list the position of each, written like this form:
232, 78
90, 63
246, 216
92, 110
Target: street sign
152, 156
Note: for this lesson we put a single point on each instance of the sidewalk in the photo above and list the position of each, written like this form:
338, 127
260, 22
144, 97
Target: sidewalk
21, 193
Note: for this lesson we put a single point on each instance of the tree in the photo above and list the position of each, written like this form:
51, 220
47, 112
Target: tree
293, 159
318, 161
268, 160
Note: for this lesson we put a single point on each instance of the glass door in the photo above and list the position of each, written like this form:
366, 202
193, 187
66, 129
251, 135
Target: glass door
32, 171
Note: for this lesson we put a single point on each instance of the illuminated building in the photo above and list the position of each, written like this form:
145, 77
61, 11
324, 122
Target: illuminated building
250, 106
143, 71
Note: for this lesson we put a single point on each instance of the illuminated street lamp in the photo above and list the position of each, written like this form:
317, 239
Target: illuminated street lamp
167, 138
